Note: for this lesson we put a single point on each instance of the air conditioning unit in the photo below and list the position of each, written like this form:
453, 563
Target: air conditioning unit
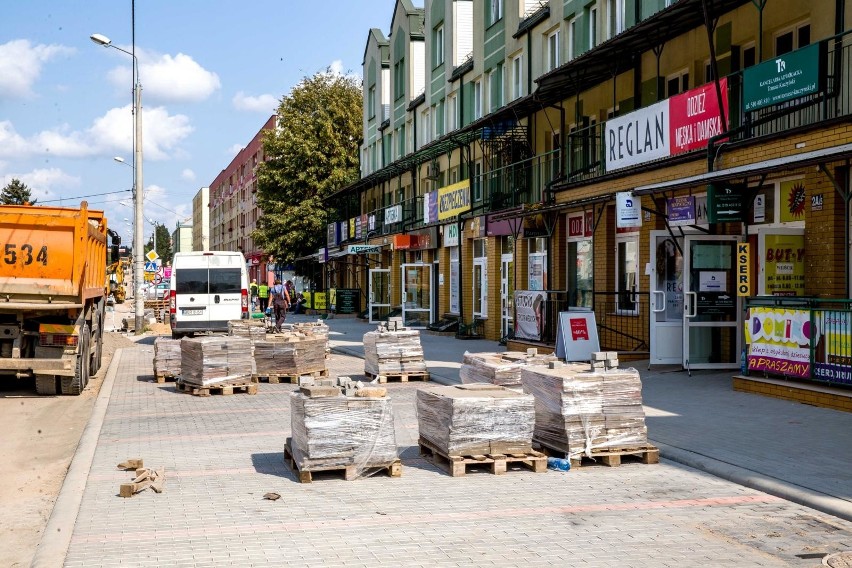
433, 170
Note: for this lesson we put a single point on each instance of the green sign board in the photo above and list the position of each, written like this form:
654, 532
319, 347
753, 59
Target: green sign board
783, 78
725, 204
347, 301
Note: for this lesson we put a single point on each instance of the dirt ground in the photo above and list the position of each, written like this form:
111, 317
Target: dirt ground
40, 436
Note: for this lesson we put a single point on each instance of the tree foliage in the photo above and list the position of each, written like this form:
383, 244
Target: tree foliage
311, 154
16, 192
164, 243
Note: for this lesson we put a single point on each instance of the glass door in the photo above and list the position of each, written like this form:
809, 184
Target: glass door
416, 295
711, 317
507, 293
380, 294
666, 299
480, 288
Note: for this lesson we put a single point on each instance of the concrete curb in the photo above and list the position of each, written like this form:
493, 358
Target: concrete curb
741, 476
56, 539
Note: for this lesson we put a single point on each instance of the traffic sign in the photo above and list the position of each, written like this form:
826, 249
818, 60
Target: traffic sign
152, 255
151, 266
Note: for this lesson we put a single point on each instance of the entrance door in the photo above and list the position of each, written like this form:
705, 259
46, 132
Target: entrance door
416, 295
380, 294
507, 293
480, 288
666, 299
711, 338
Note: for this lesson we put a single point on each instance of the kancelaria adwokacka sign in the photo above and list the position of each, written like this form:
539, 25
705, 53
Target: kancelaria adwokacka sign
679, 124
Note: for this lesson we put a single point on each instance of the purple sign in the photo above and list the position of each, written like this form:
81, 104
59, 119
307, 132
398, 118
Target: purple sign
681, 210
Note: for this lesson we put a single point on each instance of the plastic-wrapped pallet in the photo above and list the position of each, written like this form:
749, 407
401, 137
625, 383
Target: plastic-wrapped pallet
340, 431
167, 357
289, 354
502, 369
210, 361
577, 412
393, 352
464, 420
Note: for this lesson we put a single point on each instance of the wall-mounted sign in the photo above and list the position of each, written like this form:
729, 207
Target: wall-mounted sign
362, 249
681, 210
352, 228
628, 210
779, 341
724, 203
333, 236
816, 202
694, 116
451, 235
638, 137
783, 78
343, 231
430, 207
359, 227
793, 201
784, 265
369, 220
743, 270
453, 199
759, 208
393, 214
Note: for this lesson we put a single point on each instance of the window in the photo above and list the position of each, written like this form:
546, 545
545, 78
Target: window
452, 112
517, 77
537, 264
593, 27
615, 15
399, 79
572, 37
749, 56
371, 102
677, 83
438, 45
425, 125
553, 50
495, 83
496, 12
788, 40
627, 272
476, 181
477, 99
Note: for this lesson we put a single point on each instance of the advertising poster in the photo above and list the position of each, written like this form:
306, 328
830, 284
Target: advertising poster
793, 201
680, 210
779, 341
833, 351
576, 335
537, 272
529, 314
695, 117
784, 265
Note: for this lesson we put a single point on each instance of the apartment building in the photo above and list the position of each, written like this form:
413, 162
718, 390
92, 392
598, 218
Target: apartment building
182, 237
233, 205
672, 166
201, 220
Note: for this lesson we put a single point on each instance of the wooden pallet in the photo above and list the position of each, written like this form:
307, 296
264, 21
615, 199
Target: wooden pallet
610, 457
399, 377
497, 463
249, 388
350, 471
163, 377
274, 378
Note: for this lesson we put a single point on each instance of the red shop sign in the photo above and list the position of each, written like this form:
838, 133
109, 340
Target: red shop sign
694, 117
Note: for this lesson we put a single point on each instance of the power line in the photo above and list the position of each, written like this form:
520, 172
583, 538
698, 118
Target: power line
82, 196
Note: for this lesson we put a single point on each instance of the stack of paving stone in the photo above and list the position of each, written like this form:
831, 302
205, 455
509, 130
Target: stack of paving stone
167, 357
317, 328
252, 329
332, 430
289, 353
502, 369
215, 361
393, 350
577, 411
479, 419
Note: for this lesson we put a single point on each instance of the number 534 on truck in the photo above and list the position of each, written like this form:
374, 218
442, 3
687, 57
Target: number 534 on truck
52, 296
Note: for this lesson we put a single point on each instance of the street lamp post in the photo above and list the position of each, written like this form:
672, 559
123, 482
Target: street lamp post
138, 258
153, 224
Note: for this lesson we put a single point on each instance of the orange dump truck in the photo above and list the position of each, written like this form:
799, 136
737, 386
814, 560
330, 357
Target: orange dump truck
52, 297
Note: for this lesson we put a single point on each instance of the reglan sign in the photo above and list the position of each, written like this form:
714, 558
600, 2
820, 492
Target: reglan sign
638, 137
453, 199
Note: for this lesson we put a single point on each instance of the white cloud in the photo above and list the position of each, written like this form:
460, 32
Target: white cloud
45, 183
234, 150
261, 103
113, 132
168, 78
188, 175
21, 63
336, 68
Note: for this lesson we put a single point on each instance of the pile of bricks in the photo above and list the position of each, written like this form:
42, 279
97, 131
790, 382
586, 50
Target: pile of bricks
290, 354
393, 350
502, 369
215, 361
167, 357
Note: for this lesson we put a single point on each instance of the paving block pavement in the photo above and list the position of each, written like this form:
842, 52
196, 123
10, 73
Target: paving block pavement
222, 453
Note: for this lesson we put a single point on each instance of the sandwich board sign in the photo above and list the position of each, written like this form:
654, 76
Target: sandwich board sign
576, 335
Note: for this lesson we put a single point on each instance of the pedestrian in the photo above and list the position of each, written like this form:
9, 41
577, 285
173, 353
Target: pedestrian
263, 296
253, 293
280, 303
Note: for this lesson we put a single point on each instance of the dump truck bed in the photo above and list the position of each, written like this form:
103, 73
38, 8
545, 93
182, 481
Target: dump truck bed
51, 257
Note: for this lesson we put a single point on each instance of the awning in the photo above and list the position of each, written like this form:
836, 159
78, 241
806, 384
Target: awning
796, 161
527, 210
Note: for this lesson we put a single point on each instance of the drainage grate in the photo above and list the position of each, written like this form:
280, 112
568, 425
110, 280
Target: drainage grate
839, 559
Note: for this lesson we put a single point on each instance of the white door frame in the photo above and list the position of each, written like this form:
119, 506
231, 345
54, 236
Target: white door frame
372, 297
666, 336
410, 306
690, 305
507, 317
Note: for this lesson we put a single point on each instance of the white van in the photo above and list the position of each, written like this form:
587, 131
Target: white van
207, 289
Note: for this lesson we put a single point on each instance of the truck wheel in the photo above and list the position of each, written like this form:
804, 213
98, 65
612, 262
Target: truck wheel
97, 356
75, 385
45, 384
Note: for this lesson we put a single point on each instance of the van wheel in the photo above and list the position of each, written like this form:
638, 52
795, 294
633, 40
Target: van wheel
75, 385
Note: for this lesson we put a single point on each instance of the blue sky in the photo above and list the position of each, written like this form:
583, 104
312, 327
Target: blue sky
212, 72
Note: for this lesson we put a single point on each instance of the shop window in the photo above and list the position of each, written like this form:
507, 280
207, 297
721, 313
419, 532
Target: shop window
627, 272
537, 264
580, 267
480, 279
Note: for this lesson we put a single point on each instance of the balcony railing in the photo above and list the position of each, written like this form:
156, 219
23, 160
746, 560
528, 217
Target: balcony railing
518, 183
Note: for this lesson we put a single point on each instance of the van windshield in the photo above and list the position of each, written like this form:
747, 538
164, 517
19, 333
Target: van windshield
203, 281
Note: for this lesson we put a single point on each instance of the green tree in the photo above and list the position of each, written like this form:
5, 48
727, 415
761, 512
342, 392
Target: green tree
16, 192
164, 243
311, 154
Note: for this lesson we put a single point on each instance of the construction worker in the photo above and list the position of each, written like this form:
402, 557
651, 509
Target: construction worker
263, 296
253, 294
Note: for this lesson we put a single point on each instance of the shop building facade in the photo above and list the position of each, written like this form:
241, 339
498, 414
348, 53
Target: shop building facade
667, 165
